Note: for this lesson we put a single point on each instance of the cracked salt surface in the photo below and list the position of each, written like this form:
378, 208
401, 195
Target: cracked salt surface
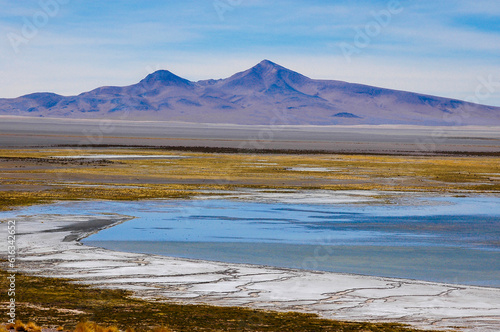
331, 295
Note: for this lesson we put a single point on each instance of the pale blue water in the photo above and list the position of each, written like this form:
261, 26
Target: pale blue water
454, 240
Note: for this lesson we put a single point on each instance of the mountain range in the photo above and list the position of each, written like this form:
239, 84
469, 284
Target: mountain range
262, 95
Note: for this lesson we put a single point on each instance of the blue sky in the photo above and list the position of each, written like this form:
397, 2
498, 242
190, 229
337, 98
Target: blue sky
446, 48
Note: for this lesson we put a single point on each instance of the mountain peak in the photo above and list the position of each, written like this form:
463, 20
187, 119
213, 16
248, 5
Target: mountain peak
266, 66
267, 63
266, 76
165, 77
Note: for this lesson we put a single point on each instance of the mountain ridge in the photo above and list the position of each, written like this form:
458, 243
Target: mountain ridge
258, 95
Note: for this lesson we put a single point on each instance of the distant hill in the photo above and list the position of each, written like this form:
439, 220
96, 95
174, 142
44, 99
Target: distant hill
265, 94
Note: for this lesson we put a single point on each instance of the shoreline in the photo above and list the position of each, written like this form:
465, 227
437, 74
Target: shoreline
43, 251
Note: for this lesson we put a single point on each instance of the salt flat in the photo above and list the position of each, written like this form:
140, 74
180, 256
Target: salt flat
388, 139
48, 246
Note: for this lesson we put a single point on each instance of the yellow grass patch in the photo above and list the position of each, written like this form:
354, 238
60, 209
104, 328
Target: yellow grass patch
35, 176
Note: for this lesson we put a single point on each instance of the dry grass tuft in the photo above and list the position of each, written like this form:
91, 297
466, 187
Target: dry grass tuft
161, 329
111, 329
94, 327
19, 326
32, 327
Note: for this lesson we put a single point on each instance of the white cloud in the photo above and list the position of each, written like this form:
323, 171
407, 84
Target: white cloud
451, 38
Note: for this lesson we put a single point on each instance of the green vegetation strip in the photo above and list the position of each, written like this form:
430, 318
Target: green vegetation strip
62, 302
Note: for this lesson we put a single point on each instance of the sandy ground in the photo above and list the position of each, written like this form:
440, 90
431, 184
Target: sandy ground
48, 246
388, 139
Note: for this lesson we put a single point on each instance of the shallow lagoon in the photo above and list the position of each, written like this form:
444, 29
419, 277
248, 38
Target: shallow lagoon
453, 240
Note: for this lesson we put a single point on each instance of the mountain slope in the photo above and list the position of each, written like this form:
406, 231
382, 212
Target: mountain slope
264, 94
